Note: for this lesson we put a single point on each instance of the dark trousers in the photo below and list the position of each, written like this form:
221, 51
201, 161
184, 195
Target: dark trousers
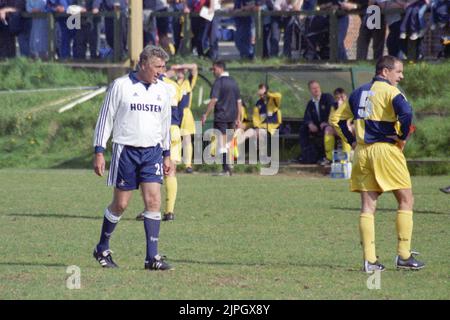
411, 22
364, 37
311, 145
210, 39
343, 23
7, 43
66, 38
395, 45
88, 35
109, 33
243, 37
197, 27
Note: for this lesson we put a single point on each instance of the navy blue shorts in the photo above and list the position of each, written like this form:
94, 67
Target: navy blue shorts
132, 165
223, 126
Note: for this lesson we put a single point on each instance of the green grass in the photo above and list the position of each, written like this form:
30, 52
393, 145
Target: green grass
244, 237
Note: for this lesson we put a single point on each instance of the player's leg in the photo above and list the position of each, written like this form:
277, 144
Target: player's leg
170, 181
404, 224
111, 218
222, 146
187, 152
367, 229
224, 151
171, 187
329, 142
151, 193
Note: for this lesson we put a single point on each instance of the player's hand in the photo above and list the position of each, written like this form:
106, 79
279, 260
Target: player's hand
400, 143
203, 119
99, 164
95, 10
354, 145
168, 166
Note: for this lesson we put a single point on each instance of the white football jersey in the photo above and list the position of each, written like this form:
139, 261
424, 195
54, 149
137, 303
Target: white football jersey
137, 114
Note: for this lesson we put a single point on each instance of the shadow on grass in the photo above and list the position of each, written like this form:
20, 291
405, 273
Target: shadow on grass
394, 210
254, 264
82, 162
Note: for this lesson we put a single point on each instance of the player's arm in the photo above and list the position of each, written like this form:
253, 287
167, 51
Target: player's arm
279, 117
256, 118
240, 114
104, 126
209, 109
404, 113
339, 122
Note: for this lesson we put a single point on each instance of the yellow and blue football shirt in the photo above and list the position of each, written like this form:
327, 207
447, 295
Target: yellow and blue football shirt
379, 110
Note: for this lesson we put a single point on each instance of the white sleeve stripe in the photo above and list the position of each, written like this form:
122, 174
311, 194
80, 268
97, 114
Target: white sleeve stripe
103, 118
102, 122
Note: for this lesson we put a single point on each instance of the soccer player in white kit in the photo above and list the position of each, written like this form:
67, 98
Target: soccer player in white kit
137, 111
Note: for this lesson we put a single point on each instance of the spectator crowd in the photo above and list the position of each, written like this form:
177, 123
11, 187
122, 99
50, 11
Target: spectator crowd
402, 20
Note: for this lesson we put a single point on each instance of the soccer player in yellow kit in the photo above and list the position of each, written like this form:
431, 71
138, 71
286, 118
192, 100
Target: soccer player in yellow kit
170, 179
379, 164
186, 85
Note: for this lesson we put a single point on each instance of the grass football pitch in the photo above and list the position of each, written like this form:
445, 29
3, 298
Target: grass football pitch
240, 237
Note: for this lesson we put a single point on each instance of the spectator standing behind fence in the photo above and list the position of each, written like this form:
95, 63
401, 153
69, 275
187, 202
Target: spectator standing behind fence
114, 6
243, 34
66, 35
343, 22
89, 33
277, 23
39, 29
396, 47
366, 34
210, 40
163, 24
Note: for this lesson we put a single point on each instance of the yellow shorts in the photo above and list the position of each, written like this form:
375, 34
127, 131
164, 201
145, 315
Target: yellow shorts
379, 167
175, 143
188, 123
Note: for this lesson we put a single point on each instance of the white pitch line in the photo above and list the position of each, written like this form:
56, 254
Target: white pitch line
47, 89
82, 99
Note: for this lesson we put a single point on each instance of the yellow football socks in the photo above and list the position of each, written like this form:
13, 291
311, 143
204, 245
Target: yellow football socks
404, 232
171, 193
188, 155
367, 232
329, 145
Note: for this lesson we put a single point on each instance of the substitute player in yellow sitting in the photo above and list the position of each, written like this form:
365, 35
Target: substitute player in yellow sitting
186, 85
170, 179
266, 116
379, 164
340, 97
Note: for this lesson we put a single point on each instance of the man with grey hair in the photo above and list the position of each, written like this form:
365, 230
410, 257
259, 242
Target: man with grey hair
137, 111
